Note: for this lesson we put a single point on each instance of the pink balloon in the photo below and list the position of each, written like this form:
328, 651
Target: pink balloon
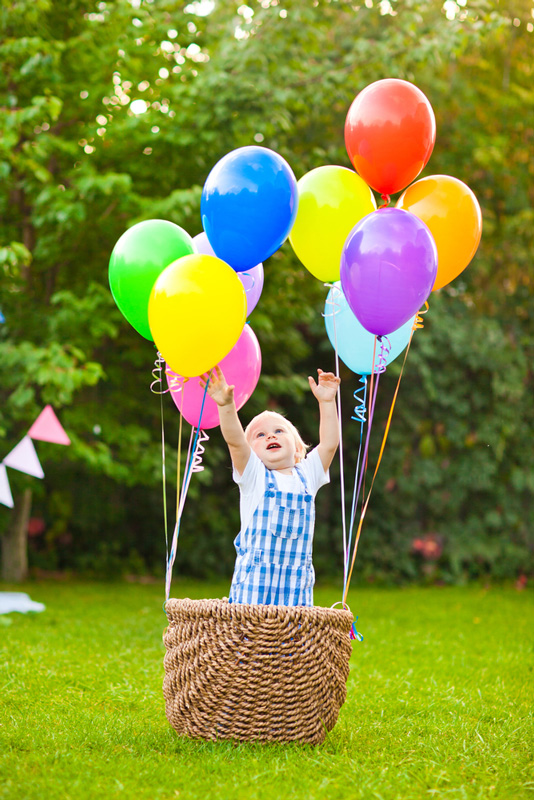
241, 367
252, 279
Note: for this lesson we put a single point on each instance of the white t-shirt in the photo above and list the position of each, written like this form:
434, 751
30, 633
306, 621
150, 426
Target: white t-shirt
252, 482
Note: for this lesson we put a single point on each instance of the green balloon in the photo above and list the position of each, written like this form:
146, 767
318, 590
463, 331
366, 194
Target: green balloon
137, 260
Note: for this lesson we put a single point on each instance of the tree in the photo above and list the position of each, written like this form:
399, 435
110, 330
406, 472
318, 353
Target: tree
114, 112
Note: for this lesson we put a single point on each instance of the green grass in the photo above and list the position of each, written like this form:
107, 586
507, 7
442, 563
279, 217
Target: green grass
439, 702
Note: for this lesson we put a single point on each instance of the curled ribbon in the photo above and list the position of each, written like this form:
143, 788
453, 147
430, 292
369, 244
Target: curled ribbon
419, 321
252, 278
385, 348
353, 632
360, 410
332, 300
157, 375
199, 451
176, 382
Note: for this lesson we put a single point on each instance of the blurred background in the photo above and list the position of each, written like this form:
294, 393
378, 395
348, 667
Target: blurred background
115, 112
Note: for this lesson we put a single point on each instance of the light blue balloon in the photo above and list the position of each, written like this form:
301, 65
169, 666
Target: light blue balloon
355, 344
248, 206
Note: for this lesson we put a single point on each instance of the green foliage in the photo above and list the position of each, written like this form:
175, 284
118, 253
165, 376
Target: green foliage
80, 162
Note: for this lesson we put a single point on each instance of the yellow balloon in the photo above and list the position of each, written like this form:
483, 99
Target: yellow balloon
331, 201
196, 312
452, 213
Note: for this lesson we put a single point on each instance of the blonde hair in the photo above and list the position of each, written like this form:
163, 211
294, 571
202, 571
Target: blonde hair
300, 446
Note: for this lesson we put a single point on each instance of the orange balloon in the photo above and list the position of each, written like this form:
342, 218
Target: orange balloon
452, 213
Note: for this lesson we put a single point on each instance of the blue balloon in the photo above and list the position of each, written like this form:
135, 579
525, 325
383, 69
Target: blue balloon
248, 206
355, 344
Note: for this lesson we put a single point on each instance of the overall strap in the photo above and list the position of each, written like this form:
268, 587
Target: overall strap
271, 482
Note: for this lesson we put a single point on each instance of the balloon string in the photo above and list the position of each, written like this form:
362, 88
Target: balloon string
361, 480
178, 462
360, 417
335, 293
165, 524
386, 198
371, 405
418, 323
156, 374
185, 487
377, 369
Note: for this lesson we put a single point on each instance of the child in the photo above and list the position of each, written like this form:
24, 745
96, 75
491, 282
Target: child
277, 483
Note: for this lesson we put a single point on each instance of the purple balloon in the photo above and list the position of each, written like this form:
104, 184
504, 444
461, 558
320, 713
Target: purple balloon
388, 268
252, 279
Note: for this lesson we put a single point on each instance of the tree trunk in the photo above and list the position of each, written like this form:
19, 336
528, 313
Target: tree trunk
15, 542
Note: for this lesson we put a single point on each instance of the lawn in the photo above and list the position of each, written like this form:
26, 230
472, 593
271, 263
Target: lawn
440, 702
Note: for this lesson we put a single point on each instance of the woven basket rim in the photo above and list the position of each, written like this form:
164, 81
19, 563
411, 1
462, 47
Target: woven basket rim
208, 607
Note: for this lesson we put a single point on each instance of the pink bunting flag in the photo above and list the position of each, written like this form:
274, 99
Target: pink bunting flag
24, 459
6, 498
47, 428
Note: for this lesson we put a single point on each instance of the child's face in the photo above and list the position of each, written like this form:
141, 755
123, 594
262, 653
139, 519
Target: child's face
273, 443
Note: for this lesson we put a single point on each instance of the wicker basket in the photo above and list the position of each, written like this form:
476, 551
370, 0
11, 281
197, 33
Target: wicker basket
254, 672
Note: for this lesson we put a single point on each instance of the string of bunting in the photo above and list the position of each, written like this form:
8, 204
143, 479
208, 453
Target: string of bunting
23, 457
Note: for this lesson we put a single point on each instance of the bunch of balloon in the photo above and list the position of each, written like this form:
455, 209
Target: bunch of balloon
395, 257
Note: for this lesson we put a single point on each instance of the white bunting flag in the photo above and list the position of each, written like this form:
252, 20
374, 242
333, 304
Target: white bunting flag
6, 498
24, 458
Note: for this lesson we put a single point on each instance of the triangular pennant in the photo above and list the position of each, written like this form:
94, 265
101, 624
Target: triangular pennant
6, 498
24, 458
47, 428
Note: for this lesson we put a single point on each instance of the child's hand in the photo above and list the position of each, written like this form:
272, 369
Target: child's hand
217, 389
325, 391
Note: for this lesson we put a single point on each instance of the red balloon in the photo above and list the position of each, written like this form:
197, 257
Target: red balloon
390, 132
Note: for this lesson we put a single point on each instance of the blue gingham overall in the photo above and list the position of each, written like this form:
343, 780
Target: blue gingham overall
274, 554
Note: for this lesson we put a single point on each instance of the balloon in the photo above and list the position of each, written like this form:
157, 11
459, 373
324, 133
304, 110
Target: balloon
390, 132
248, 205
197, 310
453, 215
331, 201
241, 367
388, 268
355, 345
252, 279
140, 255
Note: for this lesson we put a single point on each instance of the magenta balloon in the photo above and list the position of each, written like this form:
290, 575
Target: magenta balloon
241, 367
252, 279
388, 267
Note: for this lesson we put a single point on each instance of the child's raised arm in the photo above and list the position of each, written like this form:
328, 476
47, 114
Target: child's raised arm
325, 393
231, 427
